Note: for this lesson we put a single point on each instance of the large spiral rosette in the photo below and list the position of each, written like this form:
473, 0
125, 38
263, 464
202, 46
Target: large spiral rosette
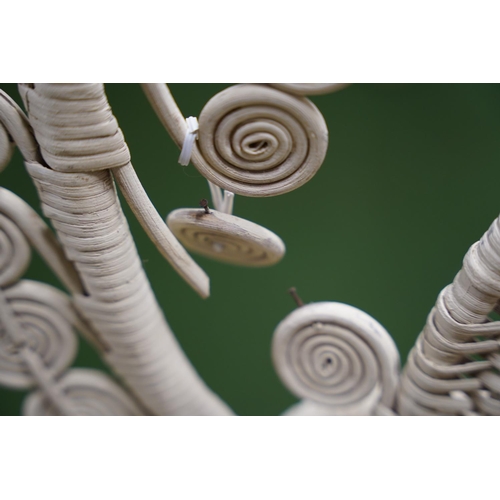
226, 238
258, 141
34, 317
86, 393
15, 253
336, 355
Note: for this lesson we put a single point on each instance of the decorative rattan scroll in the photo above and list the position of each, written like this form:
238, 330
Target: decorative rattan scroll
254, 140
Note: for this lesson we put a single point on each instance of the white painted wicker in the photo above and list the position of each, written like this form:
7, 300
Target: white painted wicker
252, 140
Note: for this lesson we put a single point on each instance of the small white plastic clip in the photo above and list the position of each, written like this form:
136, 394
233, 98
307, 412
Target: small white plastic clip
223, 201
228, 202
191, 136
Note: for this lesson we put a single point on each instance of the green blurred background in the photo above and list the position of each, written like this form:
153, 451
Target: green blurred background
408, 184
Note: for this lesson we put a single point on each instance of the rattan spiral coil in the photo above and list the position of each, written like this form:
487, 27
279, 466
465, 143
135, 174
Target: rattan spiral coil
120, 305
253, 140
337, 359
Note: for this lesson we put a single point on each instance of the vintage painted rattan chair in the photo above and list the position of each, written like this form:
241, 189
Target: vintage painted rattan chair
249, 140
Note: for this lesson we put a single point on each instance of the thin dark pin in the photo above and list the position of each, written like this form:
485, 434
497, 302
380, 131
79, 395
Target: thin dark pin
204, 204
295, 296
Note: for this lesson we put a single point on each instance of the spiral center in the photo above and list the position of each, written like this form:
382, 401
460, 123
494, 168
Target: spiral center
331, 364
256, 143
258, 146
255, 140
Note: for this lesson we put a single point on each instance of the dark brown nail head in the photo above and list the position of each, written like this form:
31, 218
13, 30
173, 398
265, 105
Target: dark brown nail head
295, 296
204, 204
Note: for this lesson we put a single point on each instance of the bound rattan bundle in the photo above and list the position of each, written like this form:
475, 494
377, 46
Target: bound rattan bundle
111, 292
454, 367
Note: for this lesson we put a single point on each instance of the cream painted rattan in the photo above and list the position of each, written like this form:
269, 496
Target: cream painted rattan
253, 140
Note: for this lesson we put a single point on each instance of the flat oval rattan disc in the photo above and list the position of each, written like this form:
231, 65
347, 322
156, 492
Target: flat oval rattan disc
226, 237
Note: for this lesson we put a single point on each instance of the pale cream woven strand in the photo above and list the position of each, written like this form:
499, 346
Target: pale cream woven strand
223, 200
6, 146
455, 364
13, 121
254, 140
337, 359
85, 211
